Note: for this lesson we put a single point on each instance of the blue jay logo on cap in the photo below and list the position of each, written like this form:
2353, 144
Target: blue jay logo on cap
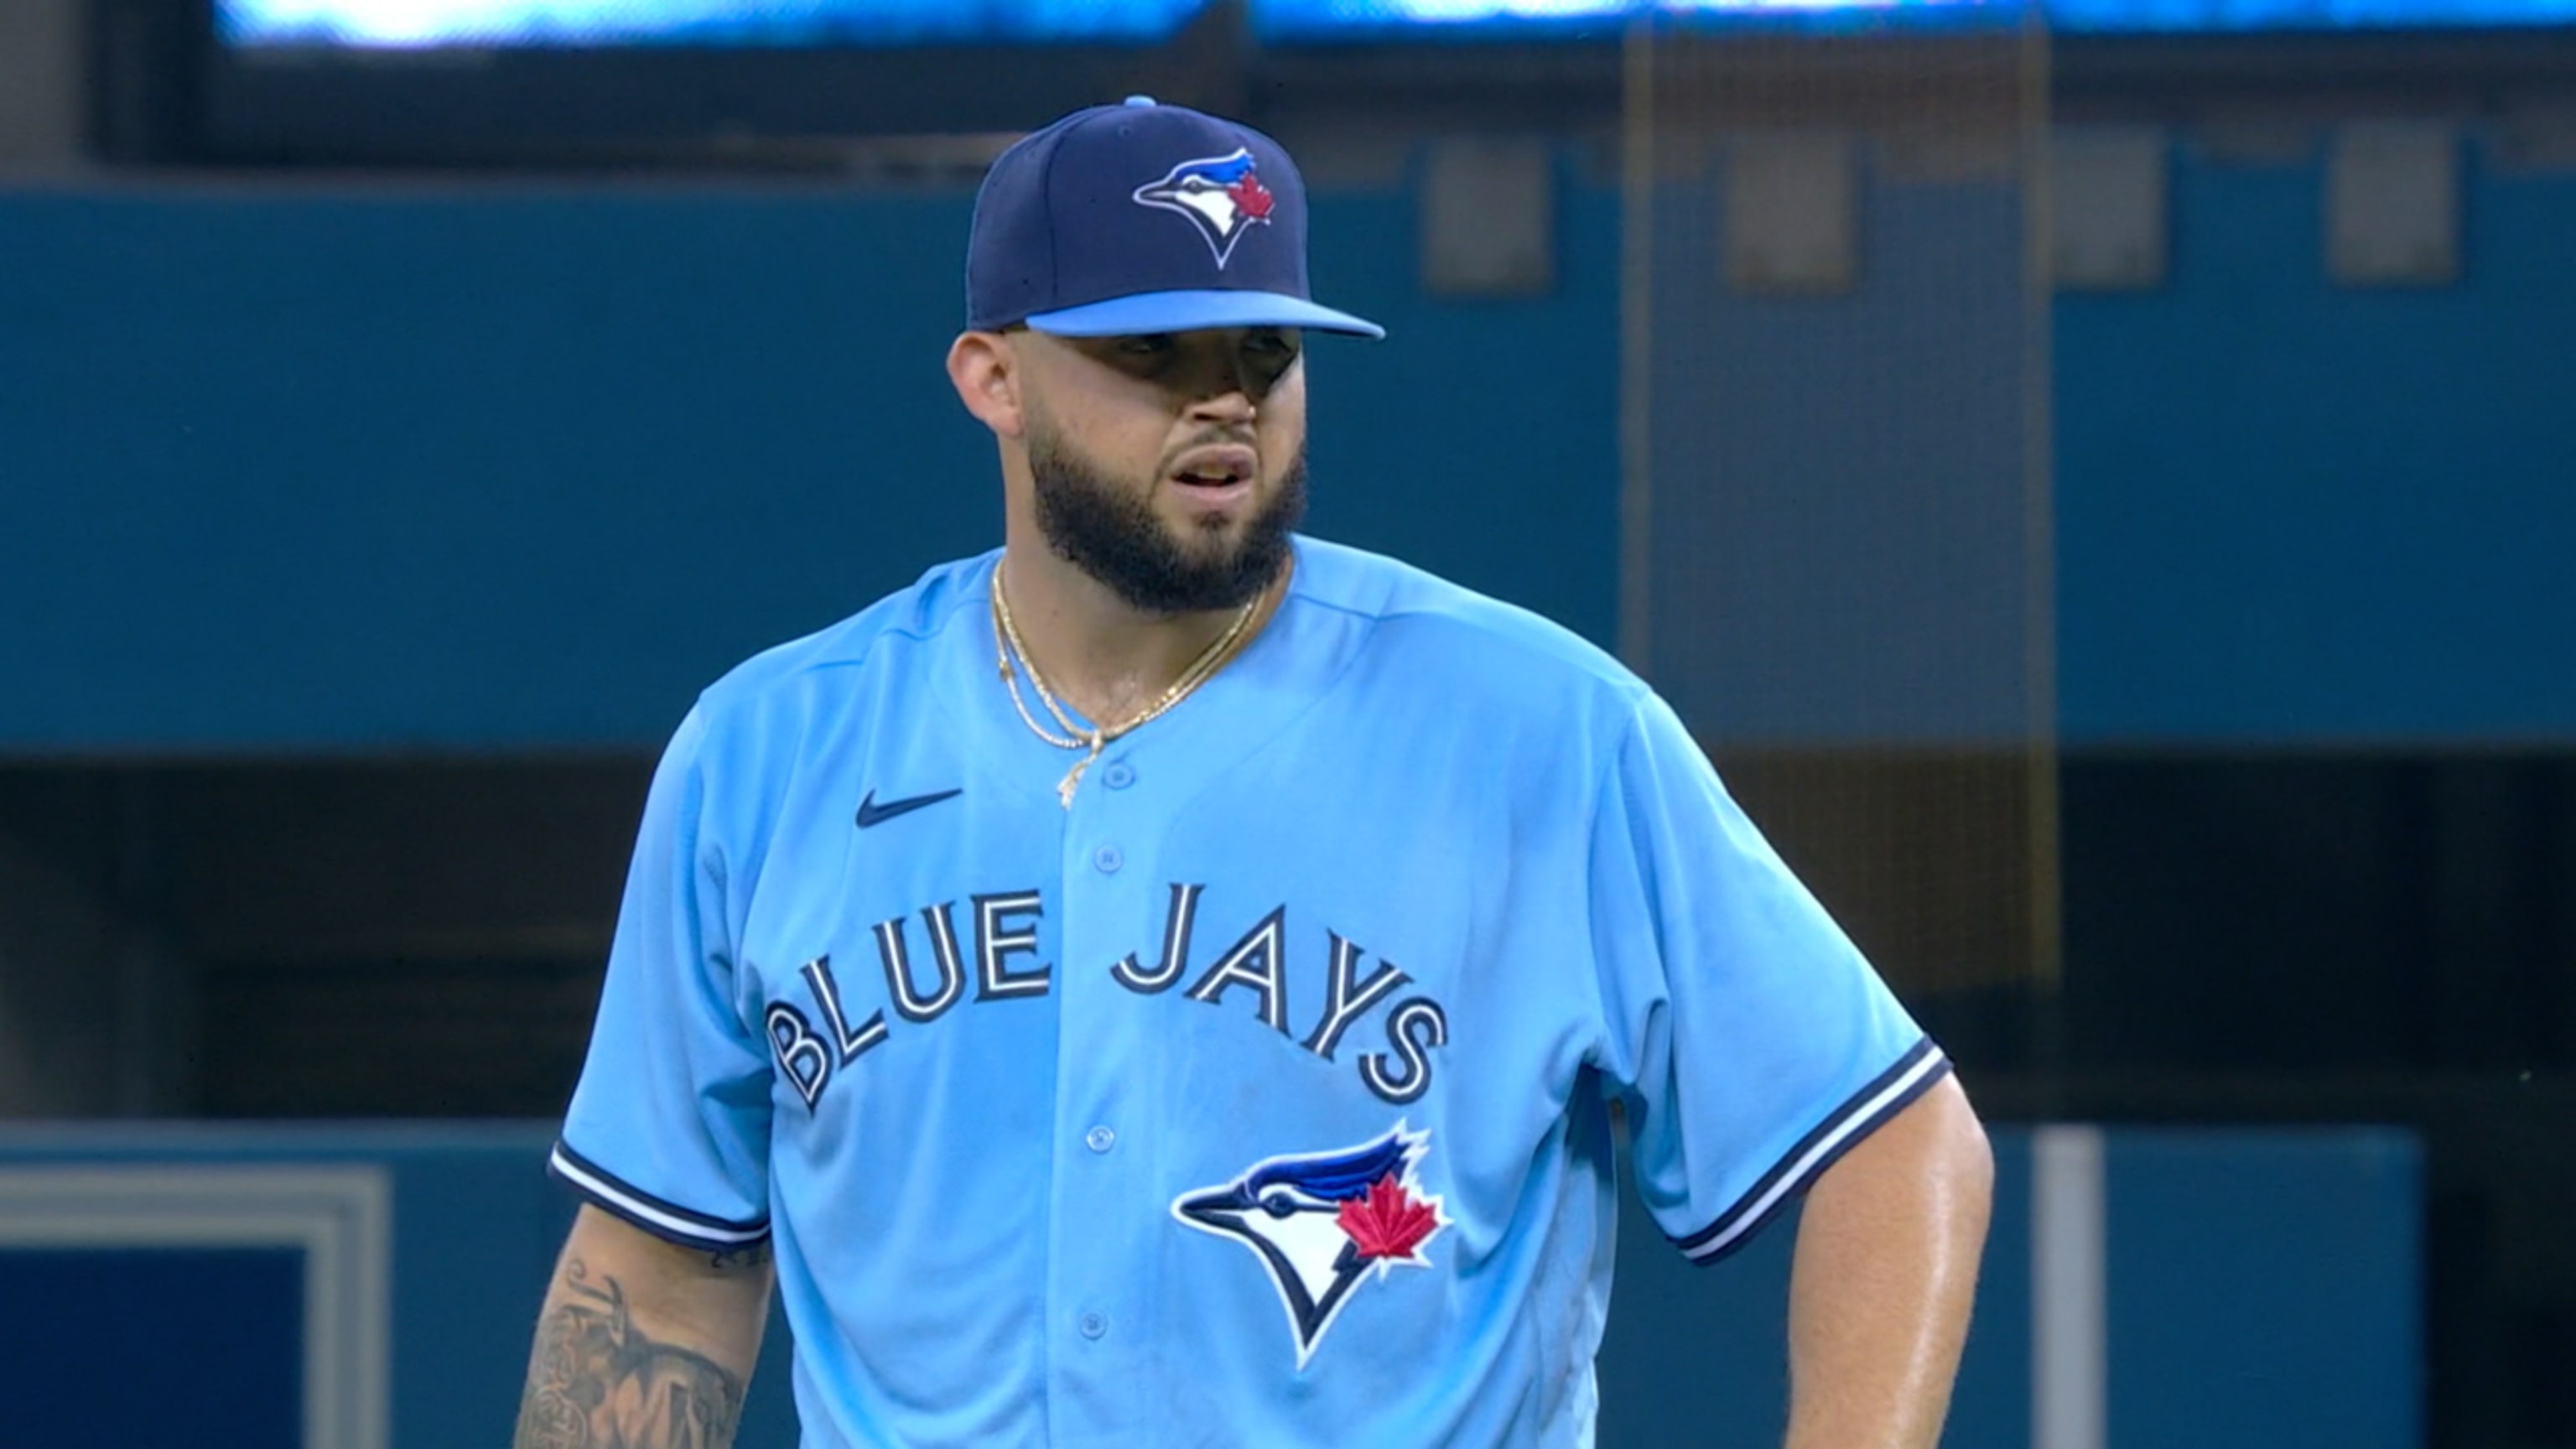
1221, 195
1324, 1223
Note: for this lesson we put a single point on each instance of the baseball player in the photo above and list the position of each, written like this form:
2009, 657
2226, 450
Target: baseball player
1165, 982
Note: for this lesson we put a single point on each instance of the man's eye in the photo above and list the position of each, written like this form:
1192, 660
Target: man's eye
1144, 346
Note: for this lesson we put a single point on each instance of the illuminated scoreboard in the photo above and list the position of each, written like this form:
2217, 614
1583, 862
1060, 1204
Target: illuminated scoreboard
576, 23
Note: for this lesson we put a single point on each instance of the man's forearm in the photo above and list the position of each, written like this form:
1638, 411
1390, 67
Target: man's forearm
671, 1375
1887, 1254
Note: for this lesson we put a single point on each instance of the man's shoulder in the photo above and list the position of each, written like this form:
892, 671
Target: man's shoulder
1462, 636
842, 653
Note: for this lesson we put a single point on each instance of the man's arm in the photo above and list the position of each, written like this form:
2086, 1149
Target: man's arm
1886, 1268
643, 1344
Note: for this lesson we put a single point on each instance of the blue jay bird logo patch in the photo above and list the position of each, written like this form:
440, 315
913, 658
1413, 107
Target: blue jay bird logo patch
1324, 1223
1221, 195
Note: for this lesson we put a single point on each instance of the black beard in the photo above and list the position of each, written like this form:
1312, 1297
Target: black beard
1118, 539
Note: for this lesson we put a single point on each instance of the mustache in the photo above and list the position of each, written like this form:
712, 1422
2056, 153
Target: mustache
1218, 438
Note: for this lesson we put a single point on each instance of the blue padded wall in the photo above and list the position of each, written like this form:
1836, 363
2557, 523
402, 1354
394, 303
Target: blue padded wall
2261, 1290
509, 468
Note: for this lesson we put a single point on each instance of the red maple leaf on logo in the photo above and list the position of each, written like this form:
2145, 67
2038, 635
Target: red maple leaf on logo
1387, 1222
1251, 197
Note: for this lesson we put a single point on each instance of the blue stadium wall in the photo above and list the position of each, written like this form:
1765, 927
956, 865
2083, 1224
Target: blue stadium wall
2256, 1290
303, 467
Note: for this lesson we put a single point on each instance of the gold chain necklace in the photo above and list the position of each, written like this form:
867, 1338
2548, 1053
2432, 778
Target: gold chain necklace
1006, 644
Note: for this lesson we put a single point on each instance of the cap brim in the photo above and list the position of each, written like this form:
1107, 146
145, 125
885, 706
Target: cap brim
1190, 311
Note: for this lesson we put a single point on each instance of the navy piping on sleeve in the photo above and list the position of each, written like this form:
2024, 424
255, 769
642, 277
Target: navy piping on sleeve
666, 1220
1885, 1096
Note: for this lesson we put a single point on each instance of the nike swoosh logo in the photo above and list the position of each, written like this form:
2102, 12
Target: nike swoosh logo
872, 813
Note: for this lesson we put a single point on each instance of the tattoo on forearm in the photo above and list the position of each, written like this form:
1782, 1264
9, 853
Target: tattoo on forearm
749, 1255
599, 1383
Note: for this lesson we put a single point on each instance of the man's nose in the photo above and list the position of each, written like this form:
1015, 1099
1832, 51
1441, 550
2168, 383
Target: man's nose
1229, 402
1225, 383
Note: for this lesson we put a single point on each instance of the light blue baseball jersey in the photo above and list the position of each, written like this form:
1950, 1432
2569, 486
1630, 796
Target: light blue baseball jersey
1262, 1096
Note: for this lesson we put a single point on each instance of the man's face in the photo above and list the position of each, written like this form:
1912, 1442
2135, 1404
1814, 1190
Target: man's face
1170, 467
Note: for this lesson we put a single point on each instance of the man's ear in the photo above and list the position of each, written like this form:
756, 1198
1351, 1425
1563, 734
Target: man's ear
986, 372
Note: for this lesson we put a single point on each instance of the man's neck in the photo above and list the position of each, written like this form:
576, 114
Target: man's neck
1101, 656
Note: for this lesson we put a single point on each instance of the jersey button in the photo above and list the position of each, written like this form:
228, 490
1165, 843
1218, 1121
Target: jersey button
1119, 775
1099, 1139
1107, 859
1094, 1325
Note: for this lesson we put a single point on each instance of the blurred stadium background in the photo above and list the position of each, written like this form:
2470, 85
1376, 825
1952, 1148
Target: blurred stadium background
2099, 476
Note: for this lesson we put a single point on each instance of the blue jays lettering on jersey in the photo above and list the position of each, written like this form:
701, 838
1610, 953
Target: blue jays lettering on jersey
1263, 1095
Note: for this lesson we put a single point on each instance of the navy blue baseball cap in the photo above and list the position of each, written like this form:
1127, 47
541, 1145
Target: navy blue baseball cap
1139, 218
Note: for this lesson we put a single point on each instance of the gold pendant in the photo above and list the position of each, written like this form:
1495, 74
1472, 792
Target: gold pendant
1064, 788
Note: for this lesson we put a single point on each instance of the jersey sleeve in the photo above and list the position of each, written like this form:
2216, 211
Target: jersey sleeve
1749, 1041
669, 1127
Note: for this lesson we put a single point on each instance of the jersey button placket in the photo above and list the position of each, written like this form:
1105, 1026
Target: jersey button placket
1102, 1215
